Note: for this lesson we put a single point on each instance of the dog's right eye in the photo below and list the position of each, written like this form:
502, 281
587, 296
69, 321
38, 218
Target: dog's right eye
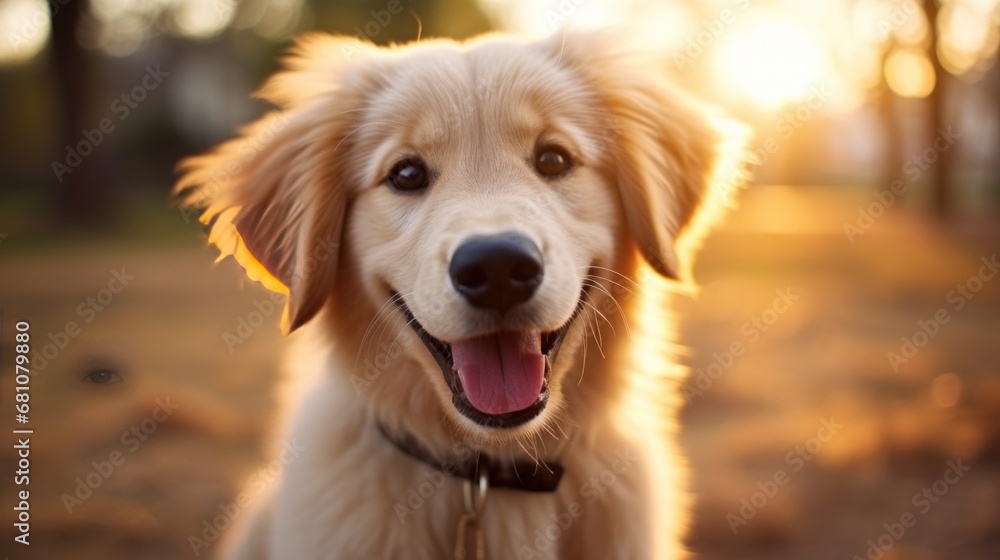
409, 175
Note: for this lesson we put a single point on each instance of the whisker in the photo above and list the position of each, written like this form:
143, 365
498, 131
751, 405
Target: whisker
386, 322
598, 338
629, 281
375, 318
606, 320
381, 316
526, 452
621, 311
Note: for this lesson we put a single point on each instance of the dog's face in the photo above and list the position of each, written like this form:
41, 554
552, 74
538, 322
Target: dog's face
482, 193
486, 204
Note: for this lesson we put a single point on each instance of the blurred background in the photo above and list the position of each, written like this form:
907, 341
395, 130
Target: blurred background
844, 400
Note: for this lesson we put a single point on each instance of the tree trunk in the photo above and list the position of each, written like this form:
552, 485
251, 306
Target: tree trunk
892, 162
941, 172
79, 198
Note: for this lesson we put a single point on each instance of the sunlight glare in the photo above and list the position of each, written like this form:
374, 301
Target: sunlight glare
25, 23
773, 62
664, 26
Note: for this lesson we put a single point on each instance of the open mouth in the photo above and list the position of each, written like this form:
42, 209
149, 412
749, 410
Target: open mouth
498, 380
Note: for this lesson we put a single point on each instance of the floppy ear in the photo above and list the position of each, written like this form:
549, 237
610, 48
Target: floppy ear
676, 164
276, 195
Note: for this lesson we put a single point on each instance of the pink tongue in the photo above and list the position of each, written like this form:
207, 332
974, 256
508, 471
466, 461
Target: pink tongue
501, 372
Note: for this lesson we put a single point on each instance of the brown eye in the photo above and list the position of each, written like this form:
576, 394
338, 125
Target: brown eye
409, 175
551, 161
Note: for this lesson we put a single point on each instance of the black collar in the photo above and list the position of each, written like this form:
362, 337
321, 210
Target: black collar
527, 476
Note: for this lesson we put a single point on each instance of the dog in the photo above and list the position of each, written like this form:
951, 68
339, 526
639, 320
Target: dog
479, 241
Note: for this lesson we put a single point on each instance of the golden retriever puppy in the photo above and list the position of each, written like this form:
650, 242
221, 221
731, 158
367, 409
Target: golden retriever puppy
470, 231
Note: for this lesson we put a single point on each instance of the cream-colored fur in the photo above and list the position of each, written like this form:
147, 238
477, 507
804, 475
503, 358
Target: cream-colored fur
300, 200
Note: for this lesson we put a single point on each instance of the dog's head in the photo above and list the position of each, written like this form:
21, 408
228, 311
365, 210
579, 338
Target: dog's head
481, 193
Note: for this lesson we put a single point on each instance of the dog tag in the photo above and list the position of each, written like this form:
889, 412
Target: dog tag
469, 530
470, 533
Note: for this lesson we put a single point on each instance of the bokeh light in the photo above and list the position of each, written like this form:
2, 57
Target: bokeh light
120, 27
909, 73
202, 19
771, 59
946, 389
969, 35
25, 24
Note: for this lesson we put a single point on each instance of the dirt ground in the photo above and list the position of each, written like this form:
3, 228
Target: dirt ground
814, 430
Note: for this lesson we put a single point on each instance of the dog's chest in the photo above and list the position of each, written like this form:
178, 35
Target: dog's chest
390, 506
350, 494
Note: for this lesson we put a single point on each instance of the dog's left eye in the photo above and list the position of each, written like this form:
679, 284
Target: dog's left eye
409, 175
551, 161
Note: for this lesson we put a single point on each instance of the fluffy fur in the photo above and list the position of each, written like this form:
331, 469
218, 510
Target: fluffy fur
301, 201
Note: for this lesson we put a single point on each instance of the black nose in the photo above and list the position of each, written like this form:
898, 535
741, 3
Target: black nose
497, 271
